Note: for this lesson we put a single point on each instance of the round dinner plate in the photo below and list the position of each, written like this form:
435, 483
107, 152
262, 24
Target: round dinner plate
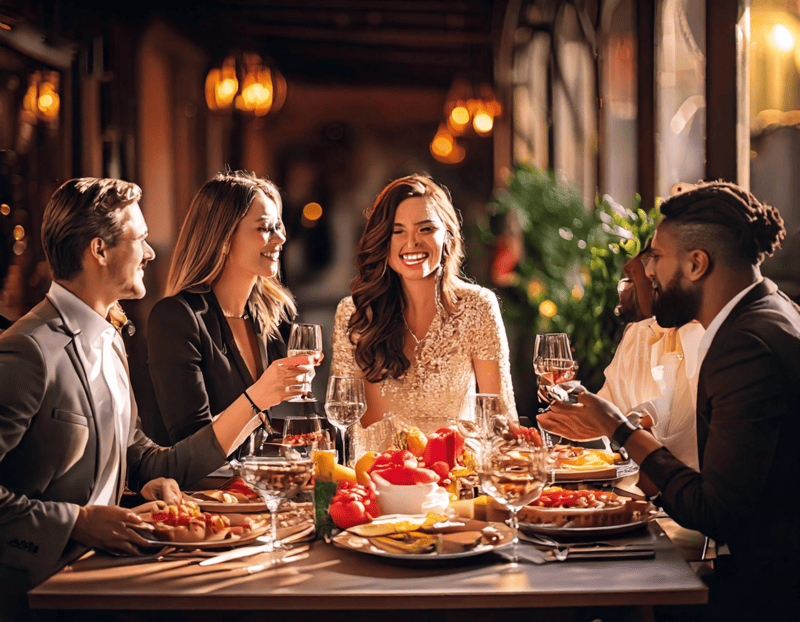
588, 532
353, 542
231, 541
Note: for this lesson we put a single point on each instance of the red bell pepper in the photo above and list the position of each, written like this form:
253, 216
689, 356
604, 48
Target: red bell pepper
444, 445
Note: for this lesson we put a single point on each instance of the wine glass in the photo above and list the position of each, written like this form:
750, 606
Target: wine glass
304, 434
305, 339
514, 471
478, 424
345, 403
553, 364
276, 473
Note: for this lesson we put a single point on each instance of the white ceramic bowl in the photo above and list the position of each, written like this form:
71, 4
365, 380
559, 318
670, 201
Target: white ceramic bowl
410, 499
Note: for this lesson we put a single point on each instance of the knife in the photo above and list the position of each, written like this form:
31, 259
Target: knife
247, 551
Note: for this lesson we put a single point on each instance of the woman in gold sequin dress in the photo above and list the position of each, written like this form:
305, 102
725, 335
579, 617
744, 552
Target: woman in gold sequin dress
420, 334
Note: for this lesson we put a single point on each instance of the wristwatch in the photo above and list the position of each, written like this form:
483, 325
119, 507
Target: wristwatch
624, 430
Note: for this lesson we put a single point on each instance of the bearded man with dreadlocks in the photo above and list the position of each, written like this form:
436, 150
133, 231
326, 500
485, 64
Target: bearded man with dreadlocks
704, 265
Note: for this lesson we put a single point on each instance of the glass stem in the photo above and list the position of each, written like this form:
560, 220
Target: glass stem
273, 512
515, 526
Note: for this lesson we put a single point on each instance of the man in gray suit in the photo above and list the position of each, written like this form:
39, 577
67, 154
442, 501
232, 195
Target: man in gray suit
69, 429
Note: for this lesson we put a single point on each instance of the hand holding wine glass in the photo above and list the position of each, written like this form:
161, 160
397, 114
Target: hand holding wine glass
345, 403
305, 339
514, 471
553, 363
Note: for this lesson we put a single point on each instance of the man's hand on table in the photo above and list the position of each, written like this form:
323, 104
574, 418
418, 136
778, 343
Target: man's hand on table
107, 527
590, 418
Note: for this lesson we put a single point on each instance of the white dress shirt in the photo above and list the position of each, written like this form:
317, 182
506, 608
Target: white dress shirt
654, 372
102, 354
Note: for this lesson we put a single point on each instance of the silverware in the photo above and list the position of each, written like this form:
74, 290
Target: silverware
599, 554
244, 551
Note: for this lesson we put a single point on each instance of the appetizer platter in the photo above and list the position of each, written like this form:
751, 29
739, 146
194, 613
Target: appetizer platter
575, 464
425, 537
186, 526
584, 513
233, 495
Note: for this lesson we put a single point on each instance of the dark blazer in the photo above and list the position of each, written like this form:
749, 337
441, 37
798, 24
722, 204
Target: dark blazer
196, 368
49, 443
748, 429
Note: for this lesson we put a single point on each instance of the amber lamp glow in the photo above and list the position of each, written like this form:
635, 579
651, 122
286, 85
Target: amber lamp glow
245, 82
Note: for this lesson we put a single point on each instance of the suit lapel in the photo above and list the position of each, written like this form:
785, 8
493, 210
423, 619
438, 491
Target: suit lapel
229, 341
64, 336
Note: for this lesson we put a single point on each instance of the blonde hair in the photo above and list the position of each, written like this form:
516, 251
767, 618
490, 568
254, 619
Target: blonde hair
199, 257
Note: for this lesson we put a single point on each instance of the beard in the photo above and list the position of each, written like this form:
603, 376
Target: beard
675, 305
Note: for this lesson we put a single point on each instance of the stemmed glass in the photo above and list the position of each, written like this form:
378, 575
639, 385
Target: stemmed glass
304, 434
553, 364
276, 472
514, 472
478, 424
305, 339
345, 403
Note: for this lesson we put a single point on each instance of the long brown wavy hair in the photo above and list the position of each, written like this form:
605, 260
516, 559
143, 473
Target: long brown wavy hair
199, 257
376, 326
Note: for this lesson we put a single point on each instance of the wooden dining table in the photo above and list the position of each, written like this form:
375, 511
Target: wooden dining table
331, 583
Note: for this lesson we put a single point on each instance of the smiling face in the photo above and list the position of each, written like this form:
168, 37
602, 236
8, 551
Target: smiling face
418, 239
676, 300
256, 244
635, 290
127, 259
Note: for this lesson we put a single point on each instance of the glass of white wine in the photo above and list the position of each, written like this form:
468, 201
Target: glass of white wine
345, 403
514, 472
479, 423
553, 363
305, 339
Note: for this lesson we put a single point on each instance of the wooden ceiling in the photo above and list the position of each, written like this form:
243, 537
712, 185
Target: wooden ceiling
412, 42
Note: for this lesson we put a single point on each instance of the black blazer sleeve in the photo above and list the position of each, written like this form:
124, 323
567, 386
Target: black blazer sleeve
175, 361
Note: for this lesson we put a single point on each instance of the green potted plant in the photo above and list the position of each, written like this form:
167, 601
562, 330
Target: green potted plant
557, 266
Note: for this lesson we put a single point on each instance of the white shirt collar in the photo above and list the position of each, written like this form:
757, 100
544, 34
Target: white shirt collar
713, 327
78, 316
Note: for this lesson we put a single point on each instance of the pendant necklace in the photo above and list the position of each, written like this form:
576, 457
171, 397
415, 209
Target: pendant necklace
413, 336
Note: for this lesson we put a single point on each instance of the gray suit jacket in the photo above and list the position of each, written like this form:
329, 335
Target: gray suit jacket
49, 446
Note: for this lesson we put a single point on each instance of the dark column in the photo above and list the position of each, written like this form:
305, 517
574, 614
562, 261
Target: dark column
645, 91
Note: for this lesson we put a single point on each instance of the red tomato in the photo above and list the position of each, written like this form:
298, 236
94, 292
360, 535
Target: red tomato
406, 476
441, 469
349, 514
404, 457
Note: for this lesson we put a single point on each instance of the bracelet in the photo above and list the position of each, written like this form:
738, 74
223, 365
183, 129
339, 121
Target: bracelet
262, 414
623, 432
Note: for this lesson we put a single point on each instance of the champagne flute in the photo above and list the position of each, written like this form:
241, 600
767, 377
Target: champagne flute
552, 362
276, 477
514, 472
305, 339
345, 403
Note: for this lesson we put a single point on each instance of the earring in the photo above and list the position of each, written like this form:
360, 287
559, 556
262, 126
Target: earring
385, 264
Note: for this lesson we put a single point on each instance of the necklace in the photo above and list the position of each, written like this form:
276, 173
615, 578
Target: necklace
244, 316
413, 336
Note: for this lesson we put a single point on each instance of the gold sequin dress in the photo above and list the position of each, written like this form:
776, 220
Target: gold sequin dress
437, 385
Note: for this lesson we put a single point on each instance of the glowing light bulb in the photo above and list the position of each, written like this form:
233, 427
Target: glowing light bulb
483, 123
781, 38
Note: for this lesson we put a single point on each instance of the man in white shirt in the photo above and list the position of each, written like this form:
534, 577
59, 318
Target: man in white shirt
652, 377
69, 428
704, 265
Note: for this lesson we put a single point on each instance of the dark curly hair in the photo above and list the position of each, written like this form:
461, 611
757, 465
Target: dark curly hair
376, 326
729, 223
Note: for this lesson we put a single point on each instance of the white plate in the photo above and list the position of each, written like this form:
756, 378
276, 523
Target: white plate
579, 532
351, 541
230, 541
